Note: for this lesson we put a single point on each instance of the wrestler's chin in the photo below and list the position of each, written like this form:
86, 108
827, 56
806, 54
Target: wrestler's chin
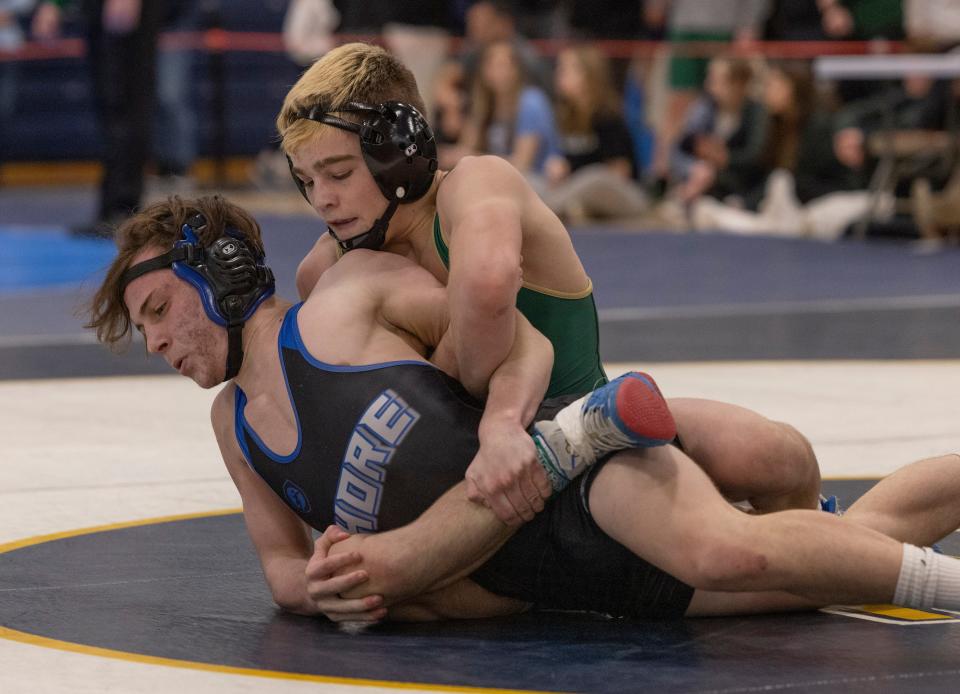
204, 378
207, 381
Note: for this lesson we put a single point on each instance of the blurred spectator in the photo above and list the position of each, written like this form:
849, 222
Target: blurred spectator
607, 19
490, 21
796, 20
916, 105
418, 33
308, 33
449, 112
308, 27
510, 117
809, 192
862, 20
635, 111
175, 132
593, 175
692, 21
363, 16
121, 38
932, 23
719, 149
543, 19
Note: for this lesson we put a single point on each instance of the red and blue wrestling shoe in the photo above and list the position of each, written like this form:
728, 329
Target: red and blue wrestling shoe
628, 412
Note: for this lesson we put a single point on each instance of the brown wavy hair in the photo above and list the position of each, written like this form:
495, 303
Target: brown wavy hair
159, 226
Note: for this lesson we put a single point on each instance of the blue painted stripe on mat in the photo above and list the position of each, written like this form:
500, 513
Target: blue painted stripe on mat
44, 257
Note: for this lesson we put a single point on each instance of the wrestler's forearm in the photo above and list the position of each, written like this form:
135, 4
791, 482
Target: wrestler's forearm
481, 340
518, 385
448, 542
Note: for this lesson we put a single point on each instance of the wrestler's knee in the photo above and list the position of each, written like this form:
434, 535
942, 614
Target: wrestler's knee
788, 452
795, 458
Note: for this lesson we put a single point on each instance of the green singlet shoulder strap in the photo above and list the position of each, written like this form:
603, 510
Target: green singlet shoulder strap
439, 243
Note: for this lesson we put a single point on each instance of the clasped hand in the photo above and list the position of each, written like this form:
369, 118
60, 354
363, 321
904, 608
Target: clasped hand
506, 474
329, 576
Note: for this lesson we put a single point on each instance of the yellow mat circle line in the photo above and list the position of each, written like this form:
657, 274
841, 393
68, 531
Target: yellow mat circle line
35, 640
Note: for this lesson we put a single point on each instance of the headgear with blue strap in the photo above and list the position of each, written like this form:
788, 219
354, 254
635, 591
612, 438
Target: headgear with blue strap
228, 274
399, 149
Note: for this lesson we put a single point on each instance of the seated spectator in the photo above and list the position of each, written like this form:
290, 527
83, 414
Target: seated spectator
800, 137
719, 149
509, 117
698, 22
809, 192
895, 120
489, 21
593, 174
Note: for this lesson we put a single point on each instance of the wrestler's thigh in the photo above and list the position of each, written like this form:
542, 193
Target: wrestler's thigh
743, 452
659, 504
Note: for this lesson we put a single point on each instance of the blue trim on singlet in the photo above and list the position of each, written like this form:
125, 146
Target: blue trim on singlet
239, 402
242, 420
291, 339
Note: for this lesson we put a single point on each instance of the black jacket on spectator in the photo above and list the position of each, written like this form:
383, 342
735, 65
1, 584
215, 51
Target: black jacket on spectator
818, 170
608, 139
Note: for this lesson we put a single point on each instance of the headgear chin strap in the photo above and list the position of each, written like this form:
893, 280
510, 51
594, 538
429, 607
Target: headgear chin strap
228, 274
399, 149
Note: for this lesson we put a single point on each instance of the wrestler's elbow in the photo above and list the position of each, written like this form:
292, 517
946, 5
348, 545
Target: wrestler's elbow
492, 284
292, 601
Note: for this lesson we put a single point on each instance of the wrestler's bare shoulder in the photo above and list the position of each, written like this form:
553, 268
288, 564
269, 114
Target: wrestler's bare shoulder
479, 174
361, 261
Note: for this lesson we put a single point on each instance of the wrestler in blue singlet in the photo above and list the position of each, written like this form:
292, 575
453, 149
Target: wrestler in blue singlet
378, 444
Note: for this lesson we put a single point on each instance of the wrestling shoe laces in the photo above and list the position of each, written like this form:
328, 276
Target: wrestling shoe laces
628, 412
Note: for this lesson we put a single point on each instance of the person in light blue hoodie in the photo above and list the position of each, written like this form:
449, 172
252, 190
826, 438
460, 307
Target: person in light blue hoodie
509, 116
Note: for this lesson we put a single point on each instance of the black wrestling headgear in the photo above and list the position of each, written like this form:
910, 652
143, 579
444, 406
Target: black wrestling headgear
398, 148
229, 275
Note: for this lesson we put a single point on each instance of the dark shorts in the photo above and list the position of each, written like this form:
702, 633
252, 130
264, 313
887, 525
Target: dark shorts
562, 560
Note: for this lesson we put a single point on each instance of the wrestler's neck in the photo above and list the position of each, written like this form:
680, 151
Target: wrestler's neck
411, 228
260, 342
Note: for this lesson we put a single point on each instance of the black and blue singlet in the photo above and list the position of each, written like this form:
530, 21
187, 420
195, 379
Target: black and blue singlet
378, 444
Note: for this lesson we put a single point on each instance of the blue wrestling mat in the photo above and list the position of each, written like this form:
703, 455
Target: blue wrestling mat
189, 593
40, 258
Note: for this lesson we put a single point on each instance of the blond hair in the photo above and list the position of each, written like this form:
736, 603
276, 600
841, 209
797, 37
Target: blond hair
158, 226
353, 72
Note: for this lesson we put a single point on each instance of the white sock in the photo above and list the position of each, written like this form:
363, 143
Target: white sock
928, 579
570, 422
